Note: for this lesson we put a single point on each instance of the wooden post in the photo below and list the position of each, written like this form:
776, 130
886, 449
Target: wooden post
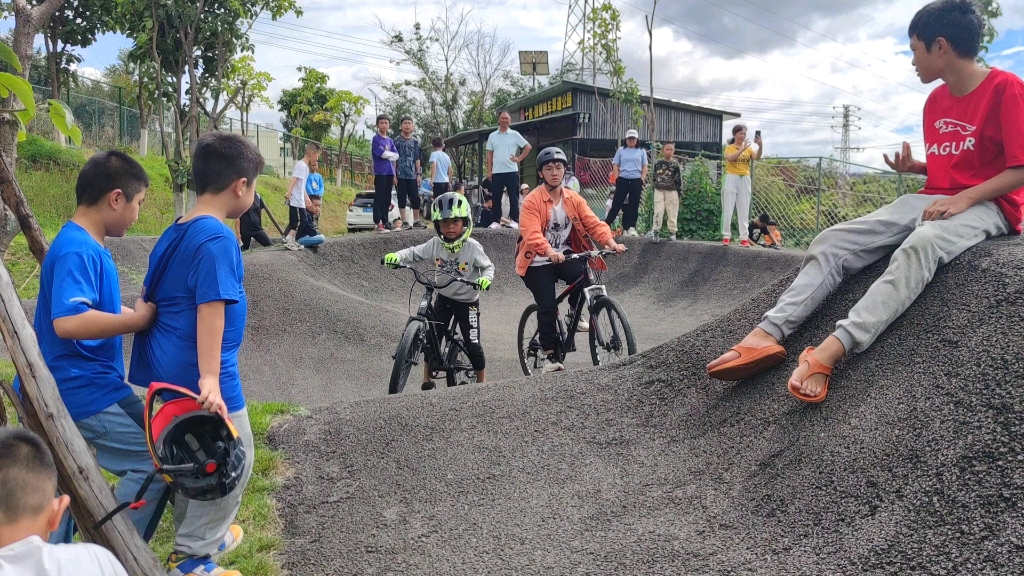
79, 476
274, 220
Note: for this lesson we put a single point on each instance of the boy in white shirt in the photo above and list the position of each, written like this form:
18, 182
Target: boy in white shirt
296, 197
29, 512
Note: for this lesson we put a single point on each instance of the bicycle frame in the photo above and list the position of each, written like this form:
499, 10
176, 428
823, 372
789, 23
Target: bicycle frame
591, 294
439, 340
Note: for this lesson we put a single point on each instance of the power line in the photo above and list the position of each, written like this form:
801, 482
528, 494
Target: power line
329, 57
303, 28
319, 45
695, 33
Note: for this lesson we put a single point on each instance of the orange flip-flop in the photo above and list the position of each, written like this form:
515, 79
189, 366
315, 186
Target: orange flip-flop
752, 361
814, 366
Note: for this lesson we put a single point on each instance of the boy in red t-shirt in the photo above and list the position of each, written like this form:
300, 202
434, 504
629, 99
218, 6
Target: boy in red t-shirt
974, 190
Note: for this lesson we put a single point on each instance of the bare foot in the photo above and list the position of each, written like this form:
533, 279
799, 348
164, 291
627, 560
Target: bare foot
757, 338
830, 352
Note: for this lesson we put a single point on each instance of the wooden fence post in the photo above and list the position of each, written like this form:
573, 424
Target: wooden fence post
79, 475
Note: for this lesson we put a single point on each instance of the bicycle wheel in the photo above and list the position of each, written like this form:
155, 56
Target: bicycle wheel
611, 336
460, 369
529, 341
408, 351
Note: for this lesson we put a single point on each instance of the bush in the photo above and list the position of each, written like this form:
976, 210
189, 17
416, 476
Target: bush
38, 152
700, 205
269, 170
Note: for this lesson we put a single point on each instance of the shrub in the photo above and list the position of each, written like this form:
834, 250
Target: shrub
38, 152
700, 205
269, 170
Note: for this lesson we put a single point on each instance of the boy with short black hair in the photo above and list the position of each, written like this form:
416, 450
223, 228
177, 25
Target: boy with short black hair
440, 168
195, 278
385, 155
487, 218
974, 190
79, 321
29, 513
408, 173
298, 200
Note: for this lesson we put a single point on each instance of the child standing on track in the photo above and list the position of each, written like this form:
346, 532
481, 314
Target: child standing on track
454, 252
195, 280
385, 155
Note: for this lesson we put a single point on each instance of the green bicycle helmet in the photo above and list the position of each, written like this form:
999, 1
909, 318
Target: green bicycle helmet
452, 205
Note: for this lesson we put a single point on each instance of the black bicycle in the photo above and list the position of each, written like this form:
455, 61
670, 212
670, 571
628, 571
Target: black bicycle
442, 346
611, 336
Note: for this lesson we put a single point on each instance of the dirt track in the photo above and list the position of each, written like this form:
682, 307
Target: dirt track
911, 466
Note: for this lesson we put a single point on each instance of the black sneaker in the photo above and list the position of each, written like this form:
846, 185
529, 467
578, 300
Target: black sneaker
406, 226
428, 385
418, 224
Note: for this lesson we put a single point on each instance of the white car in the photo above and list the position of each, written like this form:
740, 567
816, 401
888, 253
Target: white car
360, 211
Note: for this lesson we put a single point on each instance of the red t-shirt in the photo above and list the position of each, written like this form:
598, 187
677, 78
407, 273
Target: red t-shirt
973, 138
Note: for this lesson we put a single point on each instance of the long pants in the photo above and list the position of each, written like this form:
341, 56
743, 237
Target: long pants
666, 201
507, 182
118, 440
541, 281
467, 315
847, 248
735, 195
382, 185
627, 199
201, 525
260, 237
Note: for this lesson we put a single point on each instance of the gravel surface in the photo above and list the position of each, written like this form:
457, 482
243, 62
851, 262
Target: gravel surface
912, 466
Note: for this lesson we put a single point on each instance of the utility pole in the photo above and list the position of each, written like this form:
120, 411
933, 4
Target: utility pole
848, 118
577, 52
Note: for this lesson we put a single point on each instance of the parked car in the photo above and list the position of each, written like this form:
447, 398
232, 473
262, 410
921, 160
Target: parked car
360, 211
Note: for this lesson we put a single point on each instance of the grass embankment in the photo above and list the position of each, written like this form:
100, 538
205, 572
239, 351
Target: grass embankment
47, 176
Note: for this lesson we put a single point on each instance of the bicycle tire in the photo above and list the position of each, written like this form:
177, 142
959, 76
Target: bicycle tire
524, 345
607, 306
409, 348
458, 362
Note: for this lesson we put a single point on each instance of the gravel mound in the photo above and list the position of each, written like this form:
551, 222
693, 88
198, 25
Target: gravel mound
912, 466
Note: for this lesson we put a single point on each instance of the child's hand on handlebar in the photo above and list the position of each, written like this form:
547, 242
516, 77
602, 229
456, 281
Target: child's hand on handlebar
391, 260
482, 284
613, 245
555, 256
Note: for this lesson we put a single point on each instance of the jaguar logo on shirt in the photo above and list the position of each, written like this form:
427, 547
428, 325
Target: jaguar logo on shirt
949, 125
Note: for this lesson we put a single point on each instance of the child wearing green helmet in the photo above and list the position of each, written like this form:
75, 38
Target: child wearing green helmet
454, 252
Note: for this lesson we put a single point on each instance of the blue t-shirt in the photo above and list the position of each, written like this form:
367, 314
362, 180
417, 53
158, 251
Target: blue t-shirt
203, 264
78, 275
630, 161
315, 184
444, 162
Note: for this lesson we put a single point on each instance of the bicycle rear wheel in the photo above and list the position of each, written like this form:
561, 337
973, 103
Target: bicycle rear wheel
529, 341
460, 369
611, 336
408, 351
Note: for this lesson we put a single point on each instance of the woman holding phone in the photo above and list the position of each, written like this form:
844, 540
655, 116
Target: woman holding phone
739, 156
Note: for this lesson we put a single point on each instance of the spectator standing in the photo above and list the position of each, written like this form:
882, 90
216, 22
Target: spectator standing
524, 191
409, 173
385, 155
315, 181
668, 182
739, 155
629, 170
440, 168
503, 158
297, 199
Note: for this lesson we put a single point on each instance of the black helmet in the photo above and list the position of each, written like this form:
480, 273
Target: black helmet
199, 453
549, 155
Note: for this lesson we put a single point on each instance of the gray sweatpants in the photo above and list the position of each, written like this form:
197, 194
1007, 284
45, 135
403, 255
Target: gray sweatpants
847, 248
201, 525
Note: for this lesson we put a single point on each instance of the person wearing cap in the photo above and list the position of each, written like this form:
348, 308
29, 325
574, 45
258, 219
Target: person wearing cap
506, 148
629, 170
524, 189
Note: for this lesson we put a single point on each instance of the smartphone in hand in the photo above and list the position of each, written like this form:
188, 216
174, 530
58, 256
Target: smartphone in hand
757, 134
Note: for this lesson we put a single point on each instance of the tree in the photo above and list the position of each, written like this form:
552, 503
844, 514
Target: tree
990, 10
489, 58
343, 110
135, 75
76, 24
246, 86
651, 120
602, 45
302, 107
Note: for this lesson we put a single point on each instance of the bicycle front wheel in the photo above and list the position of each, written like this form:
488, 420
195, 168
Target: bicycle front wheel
408, 351
611, 336
529, 341
460, 369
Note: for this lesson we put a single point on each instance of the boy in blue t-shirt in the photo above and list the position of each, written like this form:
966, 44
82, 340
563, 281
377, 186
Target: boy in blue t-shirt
195, 279
79, 321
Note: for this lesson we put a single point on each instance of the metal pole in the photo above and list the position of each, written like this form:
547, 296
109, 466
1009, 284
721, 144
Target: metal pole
120, 116
899, 185
817, 210
258, 139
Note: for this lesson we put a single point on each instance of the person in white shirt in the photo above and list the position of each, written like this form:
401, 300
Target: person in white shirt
296, 197
503, 158
29, 512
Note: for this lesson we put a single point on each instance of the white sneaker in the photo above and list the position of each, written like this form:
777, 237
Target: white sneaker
583, 326
291, 244
550, 364
632, 232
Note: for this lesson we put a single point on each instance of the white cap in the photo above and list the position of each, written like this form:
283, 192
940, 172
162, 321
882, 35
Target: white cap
524, 187
632, 134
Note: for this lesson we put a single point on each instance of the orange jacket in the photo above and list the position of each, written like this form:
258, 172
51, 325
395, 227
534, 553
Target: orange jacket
533, 220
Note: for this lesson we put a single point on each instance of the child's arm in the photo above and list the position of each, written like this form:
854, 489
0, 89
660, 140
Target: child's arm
948, 206
377, 147
484, 263
291, 186
209, 337
433, 170
679, 178
74, 298
96, 325
415, 253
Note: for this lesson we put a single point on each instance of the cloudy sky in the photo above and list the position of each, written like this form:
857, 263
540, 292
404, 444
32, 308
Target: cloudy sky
784, 65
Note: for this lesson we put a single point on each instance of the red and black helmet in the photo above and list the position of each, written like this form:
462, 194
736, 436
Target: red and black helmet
199, 453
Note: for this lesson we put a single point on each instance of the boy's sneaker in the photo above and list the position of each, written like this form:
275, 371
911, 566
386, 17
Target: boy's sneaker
550, 364
196, 566
232, 539
632, 232
725, 241
583, 326
406, 226
381, 229
418, 224
291, 244
428, 385
745, 243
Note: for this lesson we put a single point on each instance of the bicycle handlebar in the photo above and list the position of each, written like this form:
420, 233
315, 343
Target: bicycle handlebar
589, 255
422, 279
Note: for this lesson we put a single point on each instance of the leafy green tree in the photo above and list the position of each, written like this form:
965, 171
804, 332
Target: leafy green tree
343, 111
990, 10
246, 86
303, 106
604, 25
76, 24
